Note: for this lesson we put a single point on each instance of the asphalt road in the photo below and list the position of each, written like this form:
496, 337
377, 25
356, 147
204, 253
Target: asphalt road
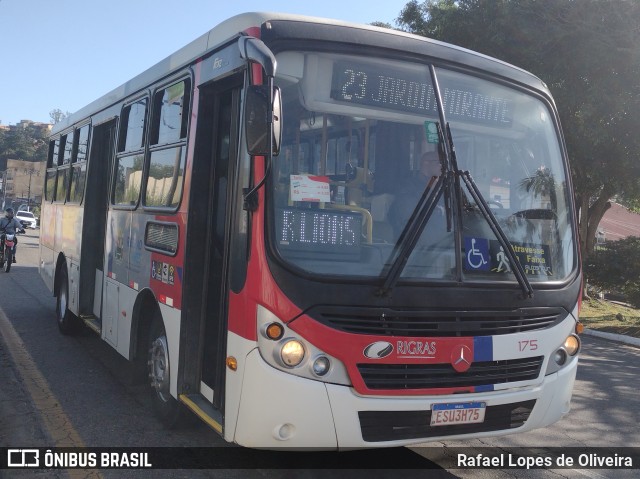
58, 391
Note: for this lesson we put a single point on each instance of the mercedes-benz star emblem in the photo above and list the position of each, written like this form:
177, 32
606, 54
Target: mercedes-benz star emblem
461, 358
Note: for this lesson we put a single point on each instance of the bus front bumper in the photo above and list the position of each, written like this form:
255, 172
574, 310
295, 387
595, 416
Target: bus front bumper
279, 410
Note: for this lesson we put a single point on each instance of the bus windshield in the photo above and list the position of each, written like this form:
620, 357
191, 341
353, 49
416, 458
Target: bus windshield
362, 144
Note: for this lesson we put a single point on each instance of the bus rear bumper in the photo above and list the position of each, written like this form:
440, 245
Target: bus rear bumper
279, 410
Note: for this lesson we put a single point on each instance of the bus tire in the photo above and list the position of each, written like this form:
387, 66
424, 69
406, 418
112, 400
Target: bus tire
67, 321
166, 407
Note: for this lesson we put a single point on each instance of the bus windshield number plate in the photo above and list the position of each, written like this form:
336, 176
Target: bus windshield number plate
457, 413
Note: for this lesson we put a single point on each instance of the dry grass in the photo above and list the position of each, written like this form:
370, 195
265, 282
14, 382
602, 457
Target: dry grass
610, 317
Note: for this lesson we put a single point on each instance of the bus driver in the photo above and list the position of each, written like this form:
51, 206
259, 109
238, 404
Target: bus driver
407, 199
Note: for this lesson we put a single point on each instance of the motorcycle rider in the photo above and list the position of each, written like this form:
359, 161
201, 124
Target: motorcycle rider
10, 225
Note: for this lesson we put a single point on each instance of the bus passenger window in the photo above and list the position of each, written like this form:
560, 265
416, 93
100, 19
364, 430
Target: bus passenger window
128, 173
50, 188
164, 185
68, 149
79, 168
63, 182
83, 143
54, 148
167, 142
52, 163
133, 123
171, 106
128, 180
78, 177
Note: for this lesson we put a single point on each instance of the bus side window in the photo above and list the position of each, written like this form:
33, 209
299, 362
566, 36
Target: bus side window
52, 163
79, 166
167, 142
65, 153
171, 108
128, 179
128, 173
132, 126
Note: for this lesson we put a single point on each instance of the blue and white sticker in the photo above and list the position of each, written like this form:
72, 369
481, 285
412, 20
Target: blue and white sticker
476, 257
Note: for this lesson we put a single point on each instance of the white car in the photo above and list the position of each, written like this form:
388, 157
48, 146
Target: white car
27, 219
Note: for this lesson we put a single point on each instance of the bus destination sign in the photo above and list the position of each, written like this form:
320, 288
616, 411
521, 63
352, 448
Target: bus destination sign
413, 92
323, 231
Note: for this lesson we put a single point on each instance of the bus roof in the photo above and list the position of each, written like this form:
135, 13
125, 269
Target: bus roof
234, 26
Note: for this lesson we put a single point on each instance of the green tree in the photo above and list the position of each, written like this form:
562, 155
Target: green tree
586, 51
382, 24
542, 184
27, 144
57, 115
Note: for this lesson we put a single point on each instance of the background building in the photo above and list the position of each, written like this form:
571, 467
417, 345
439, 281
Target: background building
22, 182
618, 223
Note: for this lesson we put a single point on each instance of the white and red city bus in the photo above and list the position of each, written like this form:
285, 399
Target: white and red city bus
246, 222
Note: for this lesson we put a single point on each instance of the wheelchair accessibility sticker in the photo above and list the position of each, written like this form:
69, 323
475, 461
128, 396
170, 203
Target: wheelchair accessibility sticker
476, 256
481, 254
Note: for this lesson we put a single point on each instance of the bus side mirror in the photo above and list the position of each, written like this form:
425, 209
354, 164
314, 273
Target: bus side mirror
257, 124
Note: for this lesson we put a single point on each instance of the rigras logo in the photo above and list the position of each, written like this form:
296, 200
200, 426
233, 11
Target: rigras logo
378, 350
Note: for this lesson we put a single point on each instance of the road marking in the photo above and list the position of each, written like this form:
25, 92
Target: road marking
57, 423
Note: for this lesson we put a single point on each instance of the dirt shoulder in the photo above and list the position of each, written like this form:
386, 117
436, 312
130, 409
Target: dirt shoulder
611, 317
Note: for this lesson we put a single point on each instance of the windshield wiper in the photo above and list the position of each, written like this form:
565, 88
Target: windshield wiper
483, 206
517, 268
448, 184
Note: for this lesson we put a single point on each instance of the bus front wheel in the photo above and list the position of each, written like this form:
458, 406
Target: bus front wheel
168, 409
67, 321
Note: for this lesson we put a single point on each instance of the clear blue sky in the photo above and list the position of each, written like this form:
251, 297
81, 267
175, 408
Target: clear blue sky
66, 53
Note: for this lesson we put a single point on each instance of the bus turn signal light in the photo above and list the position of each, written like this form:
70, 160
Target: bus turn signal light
275, 331
232, 363
579, 327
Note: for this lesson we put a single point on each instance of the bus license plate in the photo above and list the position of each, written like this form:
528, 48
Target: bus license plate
457, 413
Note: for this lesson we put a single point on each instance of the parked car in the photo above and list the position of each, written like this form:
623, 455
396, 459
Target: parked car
27, 219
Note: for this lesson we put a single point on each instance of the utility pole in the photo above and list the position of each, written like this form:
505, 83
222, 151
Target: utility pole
30, 172
4, 188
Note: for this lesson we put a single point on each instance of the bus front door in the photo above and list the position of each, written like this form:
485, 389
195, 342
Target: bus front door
208, 242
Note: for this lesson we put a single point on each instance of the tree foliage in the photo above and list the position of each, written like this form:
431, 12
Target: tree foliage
586, 51
57, 115
27, 144
616, 268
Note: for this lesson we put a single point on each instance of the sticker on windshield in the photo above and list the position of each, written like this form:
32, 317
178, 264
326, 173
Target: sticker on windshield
481, 254
477, 257
431, 130
534, 258
310, 188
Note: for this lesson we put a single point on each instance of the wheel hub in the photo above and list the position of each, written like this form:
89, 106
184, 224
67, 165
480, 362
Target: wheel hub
159, 367
62, 303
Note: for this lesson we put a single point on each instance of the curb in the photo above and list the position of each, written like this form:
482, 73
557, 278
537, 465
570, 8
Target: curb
620, 338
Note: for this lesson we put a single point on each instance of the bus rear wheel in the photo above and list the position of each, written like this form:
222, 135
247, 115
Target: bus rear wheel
167, 408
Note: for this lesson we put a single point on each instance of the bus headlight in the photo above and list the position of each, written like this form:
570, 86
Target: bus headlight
560, 357
292, 353
572, 345
564, 354
287, 351
321, 366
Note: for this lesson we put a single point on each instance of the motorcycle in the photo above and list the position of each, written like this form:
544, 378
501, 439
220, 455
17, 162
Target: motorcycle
7, 242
